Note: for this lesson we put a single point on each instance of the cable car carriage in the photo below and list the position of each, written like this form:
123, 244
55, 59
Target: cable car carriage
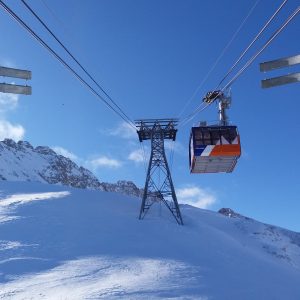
214, 149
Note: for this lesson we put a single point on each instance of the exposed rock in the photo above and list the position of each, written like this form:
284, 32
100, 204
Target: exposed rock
22, 162
231, 213
124, 187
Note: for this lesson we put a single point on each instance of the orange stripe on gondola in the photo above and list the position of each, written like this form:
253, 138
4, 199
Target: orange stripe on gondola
226, 150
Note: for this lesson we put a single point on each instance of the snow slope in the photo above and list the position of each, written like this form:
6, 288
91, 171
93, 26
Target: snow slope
63, 243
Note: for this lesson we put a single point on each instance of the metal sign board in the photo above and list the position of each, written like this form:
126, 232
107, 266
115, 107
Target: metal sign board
15, 89
281, 80
15, 73
279, 63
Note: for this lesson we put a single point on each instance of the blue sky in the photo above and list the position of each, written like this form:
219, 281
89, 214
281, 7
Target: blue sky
151, 56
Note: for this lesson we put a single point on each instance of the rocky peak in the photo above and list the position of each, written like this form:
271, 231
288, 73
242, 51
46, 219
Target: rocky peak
20, 145
22, 162
231, 213
45, 150
10, 143
124, 187
25, 145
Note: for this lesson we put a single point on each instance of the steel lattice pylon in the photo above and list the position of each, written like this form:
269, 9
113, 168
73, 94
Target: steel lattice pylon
159, 185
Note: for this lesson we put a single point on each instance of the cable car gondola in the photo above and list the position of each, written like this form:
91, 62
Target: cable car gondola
216, 148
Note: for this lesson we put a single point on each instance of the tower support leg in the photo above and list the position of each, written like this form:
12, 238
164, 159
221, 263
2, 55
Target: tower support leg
159, 185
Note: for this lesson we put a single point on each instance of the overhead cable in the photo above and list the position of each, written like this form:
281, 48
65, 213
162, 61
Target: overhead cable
142, 149
44, 44
220, 57
253, 41
76, 60
53, 14
246, 65
191, 116
274, 35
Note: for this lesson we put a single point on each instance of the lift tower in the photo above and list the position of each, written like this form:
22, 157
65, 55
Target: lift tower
159, 185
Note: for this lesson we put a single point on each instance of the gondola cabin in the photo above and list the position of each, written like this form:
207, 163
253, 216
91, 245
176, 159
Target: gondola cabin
214, 149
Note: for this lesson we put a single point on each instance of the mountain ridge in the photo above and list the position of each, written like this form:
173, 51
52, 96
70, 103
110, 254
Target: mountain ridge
20, 161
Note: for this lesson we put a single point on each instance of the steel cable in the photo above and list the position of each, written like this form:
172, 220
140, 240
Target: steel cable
250, 61
76, 60
44, 44
246, 65
220, 57
253, 41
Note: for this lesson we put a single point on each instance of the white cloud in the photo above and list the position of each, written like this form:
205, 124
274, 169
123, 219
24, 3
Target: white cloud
136, 156
8, 101
195, 196
176, 146
104, 161
124, 130
8, 130
64, 152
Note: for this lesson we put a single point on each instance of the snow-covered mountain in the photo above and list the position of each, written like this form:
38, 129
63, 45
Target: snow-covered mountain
58, 242
22, 162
